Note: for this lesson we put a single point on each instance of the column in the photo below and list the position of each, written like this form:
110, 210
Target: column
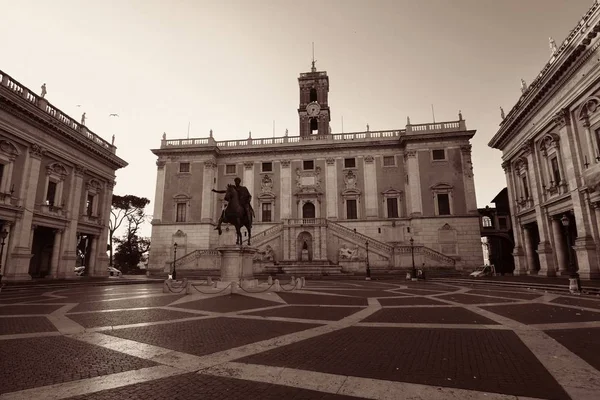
8, 226
248, 180
331, 188
529, 250
293, 244
286, 243
20, 247
592, 150
99, 253
323, 242
69, 244
560, 245
56, 253
585, 246
371, 203
544, 249
469, 181
520, 268
160, 191
92, 267
414, 182
286, 190
317, 243
208, 197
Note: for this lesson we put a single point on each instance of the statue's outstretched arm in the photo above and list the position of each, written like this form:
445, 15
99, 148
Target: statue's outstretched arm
219, 191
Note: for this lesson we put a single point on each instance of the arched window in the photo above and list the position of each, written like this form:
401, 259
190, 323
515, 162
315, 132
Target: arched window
308, 210
314, 126
313, 95
486, 221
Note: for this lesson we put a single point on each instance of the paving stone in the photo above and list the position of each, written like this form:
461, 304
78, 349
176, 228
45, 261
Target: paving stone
18, 325
571, 301
409, 301
125, 317
304, 298
508, 294
360, 293
428, 315
583, 342
17, 300
227, 303
156, 301
473, 299
28, 309
309, 312
538, 313
49, 360
197, 386
420, 292
475, 359
208, 336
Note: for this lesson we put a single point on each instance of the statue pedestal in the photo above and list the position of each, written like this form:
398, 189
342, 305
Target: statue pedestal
352, 266
236, 263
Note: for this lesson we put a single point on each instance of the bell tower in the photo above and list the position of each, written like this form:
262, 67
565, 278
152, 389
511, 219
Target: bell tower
313, 111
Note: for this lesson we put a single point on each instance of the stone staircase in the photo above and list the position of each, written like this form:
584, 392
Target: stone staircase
306, 268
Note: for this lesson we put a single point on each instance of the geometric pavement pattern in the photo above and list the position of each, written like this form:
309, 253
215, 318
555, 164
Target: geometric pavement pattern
329, 340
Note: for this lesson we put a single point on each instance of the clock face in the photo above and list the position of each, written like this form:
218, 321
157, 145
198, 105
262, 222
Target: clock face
312, 109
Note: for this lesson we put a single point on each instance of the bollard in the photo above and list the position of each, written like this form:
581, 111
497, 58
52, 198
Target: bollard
303, 282
298, 283
293, 282
209, 281
270, 280
277, 286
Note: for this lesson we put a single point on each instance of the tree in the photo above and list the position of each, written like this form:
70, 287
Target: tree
128, 208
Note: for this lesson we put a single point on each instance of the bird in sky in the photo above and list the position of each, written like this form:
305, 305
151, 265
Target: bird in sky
78, 105
113, 115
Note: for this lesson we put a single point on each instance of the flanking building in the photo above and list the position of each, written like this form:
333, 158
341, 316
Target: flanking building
550, 148
325, 202
56, 184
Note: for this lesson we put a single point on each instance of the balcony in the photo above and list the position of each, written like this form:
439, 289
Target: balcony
306, 222
49, 209
524, 204
91, 219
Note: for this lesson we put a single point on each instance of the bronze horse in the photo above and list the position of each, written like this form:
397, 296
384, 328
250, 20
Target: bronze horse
235, 215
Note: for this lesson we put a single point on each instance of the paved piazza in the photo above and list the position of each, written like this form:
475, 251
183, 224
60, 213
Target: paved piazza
330, 340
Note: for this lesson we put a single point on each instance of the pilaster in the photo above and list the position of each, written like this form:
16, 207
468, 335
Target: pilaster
560, 246
286, 190
371, 203
529, 251
414, 182
520, 264
248, 180
160, 191
207, 195
54, 263
69, 246
469, 180
102, 260
332, 189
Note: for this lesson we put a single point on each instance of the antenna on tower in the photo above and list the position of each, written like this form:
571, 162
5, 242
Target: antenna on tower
188, 130
313, 69
433, 113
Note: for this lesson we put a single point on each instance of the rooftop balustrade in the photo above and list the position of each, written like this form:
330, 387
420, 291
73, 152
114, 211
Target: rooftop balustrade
43, 104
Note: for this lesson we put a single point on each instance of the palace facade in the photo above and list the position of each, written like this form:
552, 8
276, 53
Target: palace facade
56, 184
550, 151
325, 202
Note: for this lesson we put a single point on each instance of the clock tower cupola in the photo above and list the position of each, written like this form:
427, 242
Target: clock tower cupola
314, 111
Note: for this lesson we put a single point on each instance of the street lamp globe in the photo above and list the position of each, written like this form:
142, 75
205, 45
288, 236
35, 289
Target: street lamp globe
3, 234
565, 220
412, 241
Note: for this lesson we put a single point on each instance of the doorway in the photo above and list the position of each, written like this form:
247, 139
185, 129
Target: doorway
41, 250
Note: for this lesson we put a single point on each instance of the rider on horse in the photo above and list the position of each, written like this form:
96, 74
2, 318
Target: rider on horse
245, 201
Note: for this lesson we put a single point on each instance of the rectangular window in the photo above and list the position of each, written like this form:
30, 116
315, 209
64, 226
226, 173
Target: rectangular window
439, 154
351, 210
525, 187
89, 207
266, 212
443, 200
392, 208
181, 212
230, 169
51, 195
555, 170
184, 167
389, 161
308, 165
267, 167
349, 162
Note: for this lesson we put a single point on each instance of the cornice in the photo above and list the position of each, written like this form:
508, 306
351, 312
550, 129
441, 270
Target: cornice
47, 124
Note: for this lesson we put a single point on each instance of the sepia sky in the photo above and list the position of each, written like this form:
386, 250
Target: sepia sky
232, 66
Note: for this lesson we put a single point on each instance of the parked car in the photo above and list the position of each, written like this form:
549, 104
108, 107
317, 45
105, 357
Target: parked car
79, 270
484, 270
112, 271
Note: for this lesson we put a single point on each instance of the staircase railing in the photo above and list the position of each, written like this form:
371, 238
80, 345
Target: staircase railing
359, 236
427, 251
272, 231
193, 256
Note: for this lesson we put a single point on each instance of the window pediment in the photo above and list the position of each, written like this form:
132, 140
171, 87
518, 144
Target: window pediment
266, 196
351, 192
549, 142
9, 149
93, 185
392, 193
590, 106
56, 169
442, 187
181, 197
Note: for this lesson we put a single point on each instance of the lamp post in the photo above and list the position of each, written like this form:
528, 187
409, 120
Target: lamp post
174, 258
3, 236
368, 278
412, 253
574, 282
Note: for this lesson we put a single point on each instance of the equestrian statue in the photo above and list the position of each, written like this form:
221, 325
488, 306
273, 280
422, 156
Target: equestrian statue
239, 210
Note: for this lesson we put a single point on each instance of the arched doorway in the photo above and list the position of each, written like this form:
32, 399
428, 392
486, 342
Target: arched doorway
308, 210
304, 247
